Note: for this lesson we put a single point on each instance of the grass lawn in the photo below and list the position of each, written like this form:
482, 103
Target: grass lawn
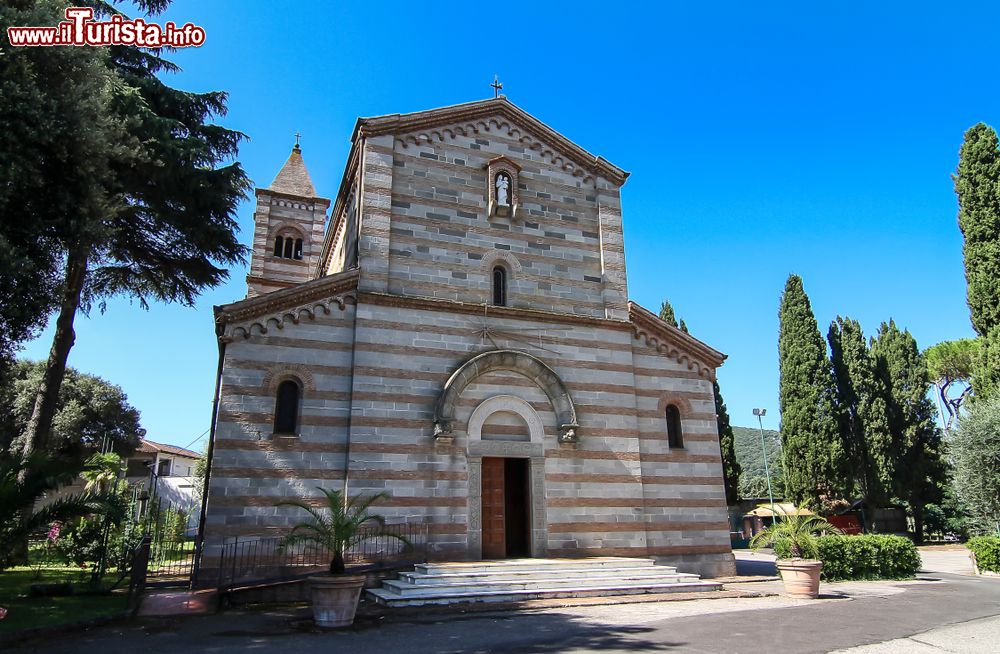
25, 612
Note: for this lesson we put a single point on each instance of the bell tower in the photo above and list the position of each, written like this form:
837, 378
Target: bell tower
289, 225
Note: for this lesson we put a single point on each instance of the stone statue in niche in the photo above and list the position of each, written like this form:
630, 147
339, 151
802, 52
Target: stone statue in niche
503, 189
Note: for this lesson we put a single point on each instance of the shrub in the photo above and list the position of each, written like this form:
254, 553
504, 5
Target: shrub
987, 552
868, 556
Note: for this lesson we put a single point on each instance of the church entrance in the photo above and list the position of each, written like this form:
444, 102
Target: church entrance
505, 508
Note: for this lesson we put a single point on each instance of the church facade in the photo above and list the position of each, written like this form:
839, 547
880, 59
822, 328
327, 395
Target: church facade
456, 332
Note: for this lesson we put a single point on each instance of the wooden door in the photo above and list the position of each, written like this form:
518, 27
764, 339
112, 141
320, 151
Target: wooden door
494, 516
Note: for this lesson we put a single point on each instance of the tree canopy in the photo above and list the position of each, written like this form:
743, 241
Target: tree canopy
863, 414
814, 457
920, 469
57, 134
976, 451
152, 186
977, 185
91, 414
951, 365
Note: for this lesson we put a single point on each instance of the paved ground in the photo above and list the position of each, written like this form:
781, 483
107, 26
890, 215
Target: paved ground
973, 637
848, 615
955, 559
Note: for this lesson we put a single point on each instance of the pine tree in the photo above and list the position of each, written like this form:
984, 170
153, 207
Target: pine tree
814, 458
862, 408
977, 184
920, 470
164, 227
55, 138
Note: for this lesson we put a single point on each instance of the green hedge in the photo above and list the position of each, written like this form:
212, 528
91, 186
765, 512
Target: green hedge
868, 556
987, 551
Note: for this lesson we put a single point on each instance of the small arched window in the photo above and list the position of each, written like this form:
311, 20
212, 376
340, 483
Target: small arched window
286, 408
499, 286
674, 436
288, 245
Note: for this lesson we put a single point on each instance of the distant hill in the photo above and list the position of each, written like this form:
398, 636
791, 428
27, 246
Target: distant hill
753, 483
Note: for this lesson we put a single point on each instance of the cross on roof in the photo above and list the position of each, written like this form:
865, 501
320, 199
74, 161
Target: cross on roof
297, 137
496, 86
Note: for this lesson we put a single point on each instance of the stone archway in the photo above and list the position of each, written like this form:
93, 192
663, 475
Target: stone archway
511, 360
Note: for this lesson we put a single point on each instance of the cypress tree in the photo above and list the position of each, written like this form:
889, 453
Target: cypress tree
814, 459
727, 444
667, 313
916, 446
862, 415
977, 185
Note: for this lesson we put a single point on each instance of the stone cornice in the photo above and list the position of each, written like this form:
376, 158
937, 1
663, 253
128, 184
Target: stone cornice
477, 309
310, 199
671, 341
482, 110
288, 298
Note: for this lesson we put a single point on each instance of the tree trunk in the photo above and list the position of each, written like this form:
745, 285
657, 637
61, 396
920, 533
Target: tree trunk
36, 435
337, 564
918, 521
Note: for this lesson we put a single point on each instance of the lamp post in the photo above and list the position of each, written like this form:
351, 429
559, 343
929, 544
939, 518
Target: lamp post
760, 413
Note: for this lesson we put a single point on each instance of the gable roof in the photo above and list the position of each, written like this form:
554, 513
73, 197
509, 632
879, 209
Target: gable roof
673, 342
149, 447
479, 112
293, 178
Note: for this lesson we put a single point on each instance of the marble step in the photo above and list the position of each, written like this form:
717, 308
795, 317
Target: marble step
444, 596
420, 578
405, 587
532, 564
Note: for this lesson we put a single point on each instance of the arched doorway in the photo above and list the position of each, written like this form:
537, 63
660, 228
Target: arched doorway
506, 480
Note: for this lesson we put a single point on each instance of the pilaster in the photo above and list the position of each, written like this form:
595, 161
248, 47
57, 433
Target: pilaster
376, 213
614, 285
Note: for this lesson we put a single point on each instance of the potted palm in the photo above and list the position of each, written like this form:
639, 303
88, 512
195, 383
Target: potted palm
335, 527
797, 532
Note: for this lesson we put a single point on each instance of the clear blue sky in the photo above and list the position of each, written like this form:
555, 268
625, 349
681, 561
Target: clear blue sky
763, 139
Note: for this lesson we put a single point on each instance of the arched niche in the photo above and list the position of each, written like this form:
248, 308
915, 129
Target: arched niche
514, 361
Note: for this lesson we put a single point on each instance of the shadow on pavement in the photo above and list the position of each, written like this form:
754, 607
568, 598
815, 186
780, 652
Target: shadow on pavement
755, 568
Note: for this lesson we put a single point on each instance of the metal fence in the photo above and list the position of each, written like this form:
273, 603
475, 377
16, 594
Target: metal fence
265, 559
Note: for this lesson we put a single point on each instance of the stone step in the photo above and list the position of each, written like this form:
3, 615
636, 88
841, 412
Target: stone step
443, 596
404, 587
529, 564
528, 573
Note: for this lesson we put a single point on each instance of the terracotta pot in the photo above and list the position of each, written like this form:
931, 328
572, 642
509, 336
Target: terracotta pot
801, 577
335, 599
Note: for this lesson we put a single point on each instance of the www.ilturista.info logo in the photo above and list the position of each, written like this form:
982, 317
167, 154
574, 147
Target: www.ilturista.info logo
80, 28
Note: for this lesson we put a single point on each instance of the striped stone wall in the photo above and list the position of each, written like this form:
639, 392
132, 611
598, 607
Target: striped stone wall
425, 230
276, 214
252, 469
619, 490
683, 494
